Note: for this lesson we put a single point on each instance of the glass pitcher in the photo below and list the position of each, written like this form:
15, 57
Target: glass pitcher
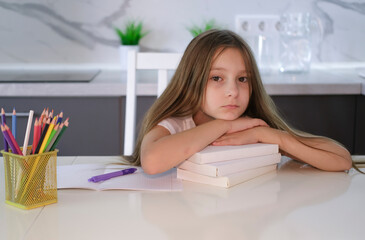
295, 42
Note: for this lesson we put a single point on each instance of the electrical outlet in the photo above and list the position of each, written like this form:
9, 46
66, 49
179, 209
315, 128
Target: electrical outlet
248, 25
262, 33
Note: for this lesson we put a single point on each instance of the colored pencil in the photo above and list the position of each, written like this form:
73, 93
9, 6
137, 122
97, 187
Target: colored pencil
13, 125
65, 126
39, 132
8, 140
12, 140
3, 120
55, 137
43, 123
60, 116
35, 135
44, 132
45, 118
51, 114
27, 132
42, 116
49, 130
52, 138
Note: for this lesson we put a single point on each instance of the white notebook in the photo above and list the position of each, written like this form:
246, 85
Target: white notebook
212, 154
218, 169
76, 176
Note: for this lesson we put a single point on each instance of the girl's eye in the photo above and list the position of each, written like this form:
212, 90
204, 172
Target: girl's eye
216, 78
242, 79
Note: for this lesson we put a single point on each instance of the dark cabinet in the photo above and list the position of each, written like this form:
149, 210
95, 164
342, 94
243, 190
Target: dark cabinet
332, 116
360, 126
97, 123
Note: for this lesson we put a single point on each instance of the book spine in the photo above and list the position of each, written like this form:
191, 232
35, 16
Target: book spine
234, 154
244, 176
203, 169
194, 177
250, 163
227, 181
232, 166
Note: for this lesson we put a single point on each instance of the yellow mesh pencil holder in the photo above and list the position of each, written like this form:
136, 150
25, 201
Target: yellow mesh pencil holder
31, 180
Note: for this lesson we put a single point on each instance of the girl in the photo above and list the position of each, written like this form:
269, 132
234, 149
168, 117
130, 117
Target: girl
216, 97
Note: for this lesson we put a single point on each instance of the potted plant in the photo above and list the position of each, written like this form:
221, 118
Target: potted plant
129, 39
195, 30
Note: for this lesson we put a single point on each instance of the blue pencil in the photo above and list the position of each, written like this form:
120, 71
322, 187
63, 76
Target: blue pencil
13, 125
60, 116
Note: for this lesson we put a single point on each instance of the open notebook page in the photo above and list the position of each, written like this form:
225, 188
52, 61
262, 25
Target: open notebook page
76, 176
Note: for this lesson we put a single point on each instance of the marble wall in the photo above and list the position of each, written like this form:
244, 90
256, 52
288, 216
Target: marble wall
81, 31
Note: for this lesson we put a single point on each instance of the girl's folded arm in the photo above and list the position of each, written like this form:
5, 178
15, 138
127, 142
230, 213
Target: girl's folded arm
319, 152
161, 151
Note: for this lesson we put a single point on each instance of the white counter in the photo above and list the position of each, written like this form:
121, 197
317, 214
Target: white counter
329, 81
295, 202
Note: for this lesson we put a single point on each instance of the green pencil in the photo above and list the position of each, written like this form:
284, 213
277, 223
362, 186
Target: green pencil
51, 136
65, 126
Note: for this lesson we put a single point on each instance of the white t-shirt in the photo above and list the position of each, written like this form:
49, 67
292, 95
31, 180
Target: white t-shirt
175, 124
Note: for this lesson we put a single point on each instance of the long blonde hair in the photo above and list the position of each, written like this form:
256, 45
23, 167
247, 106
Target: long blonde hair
183, 96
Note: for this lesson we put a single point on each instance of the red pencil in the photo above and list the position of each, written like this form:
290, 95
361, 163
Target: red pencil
42, 115
43, 123
39, 132
35, 135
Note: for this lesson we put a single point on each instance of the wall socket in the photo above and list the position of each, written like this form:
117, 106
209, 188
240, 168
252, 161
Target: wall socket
262, 33
257, 25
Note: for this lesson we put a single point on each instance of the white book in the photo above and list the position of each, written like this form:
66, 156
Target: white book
212, 154
226, 181
219, 169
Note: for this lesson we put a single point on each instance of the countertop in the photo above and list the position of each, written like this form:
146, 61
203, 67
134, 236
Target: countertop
111, 83
295, 202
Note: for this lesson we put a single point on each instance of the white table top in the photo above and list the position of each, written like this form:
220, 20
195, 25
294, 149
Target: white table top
296, 202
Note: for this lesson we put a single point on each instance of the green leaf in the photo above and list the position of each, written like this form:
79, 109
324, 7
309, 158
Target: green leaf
132, 33
196, 30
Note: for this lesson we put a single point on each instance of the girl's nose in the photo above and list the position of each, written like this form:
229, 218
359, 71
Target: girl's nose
232, 90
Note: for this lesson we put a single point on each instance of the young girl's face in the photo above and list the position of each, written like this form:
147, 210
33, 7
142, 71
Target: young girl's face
227, 92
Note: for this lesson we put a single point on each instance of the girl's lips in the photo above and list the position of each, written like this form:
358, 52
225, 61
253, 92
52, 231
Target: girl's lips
230, 106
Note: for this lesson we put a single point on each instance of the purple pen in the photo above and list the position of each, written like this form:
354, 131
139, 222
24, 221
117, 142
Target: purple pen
107, 176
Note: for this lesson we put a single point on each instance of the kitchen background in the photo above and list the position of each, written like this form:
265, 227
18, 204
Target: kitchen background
81, 32
43, 42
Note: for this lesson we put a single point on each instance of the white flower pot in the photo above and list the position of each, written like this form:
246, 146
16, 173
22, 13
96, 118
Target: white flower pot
123, 50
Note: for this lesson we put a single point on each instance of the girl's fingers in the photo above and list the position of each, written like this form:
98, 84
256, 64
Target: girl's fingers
237, 138
223, 143
244, 123
230, 139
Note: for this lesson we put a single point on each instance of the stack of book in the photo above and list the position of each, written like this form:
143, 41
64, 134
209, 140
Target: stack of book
226, 166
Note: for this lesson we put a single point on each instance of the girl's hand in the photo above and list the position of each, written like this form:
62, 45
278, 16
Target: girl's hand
247, 136
244, 123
